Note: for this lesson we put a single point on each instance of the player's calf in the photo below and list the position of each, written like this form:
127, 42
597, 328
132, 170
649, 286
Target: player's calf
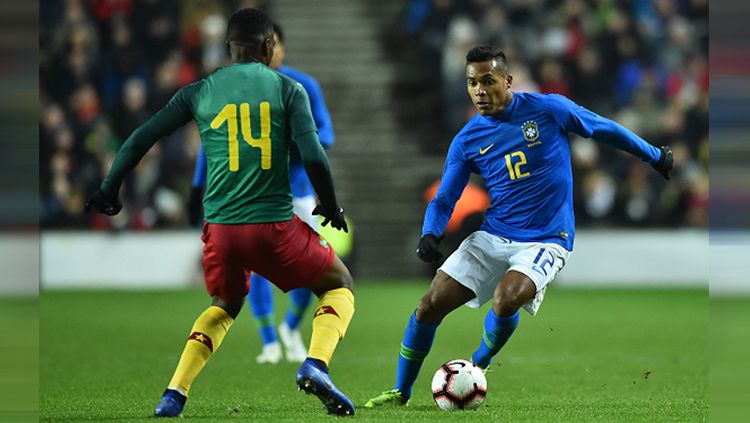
497, 331
501, 320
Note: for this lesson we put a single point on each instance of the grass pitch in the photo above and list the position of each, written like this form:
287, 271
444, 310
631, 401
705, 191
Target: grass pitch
589, 356
19, 360
729, 340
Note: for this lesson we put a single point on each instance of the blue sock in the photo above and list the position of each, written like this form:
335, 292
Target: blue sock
299, 299
414, 348
260, 300
497, 331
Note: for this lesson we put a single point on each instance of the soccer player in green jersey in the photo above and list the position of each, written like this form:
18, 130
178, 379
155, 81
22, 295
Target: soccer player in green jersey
248, 114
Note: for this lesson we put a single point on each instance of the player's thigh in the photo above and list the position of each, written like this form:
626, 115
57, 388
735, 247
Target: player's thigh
478, 264
540, 262
337, 276
294, 256
444, 295
222, 265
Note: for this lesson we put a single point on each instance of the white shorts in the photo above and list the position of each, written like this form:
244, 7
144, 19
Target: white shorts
303, 208
482, 259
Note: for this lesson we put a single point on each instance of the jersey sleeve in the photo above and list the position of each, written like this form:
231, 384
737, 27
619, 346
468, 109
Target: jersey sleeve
300, 116
455, 177
584, 122
305, 136
175, 114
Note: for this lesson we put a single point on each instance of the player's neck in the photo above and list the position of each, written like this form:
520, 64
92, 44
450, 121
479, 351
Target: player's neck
246, 54
507, 103
245, 59
502, 112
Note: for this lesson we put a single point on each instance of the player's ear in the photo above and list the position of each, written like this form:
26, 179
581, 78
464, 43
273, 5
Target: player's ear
509, 80
268, 47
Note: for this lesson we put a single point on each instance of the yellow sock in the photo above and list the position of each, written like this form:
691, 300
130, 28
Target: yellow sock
205, 337
332, 317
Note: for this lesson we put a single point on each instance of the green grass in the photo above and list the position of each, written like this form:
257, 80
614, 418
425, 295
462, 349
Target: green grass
729, 338
590, 356
19, 360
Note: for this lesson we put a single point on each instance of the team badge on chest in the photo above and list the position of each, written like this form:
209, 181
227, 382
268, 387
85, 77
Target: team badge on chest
530, 131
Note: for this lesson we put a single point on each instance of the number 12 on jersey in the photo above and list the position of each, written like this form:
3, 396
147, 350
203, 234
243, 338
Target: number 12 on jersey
515, 169
229, 115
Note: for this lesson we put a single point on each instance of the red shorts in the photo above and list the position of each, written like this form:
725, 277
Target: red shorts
289, 254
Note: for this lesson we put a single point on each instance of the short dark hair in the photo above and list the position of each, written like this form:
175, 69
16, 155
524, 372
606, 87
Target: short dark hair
249, 26
279, 32
484, 53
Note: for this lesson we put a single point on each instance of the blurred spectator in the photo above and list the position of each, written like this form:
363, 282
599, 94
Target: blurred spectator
641, 62
105, 67
467, 217
461, 36
552, 79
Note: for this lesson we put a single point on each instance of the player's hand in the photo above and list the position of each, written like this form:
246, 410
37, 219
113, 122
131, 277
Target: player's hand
103, 203
195, 206
334, 216
429, 248
665, 163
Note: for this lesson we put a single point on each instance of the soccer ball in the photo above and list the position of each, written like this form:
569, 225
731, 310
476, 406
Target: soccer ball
458, 384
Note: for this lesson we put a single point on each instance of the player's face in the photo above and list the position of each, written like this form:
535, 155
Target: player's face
488, 87
278, 53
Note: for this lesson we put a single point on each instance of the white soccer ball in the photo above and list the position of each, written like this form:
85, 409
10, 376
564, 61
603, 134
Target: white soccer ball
458, 384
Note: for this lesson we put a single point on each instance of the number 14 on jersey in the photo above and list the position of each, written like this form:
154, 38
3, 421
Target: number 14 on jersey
229, 115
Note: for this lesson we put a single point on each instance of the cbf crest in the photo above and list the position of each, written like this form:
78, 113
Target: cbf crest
530, 131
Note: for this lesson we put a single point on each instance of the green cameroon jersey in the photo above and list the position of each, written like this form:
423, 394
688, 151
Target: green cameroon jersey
247, 114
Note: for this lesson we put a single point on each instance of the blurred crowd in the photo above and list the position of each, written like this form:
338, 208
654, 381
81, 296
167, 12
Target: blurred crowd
642, 63
105, 67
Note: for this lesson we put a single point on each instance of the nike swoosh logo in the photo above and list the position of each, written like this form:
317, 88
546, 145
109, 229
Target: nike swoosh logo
484, 150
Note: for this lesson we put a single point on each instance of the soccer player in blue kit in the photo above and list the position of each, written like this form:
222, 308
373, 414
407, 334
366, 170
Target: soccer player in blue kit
518, 142
260, 298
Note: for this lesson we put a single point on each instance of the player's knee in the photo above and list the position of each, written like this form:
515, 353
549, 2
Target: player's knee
341, 276
347, 281
428, 310
508, 302
338, 276
504, 307
232, 306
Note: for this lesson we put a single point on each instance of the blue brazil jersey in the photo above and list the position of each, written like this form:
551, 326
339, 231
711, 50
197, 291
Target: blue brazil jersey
523, 154
298, 179
300, 183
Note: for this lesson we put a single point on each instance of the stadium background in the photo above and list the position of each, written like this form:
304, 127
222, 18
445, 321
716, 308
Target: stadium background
392, 75
388, 70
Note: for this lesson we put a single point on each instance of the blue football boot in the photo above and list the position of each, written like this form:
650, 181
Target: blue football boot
171, 404
313, 378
